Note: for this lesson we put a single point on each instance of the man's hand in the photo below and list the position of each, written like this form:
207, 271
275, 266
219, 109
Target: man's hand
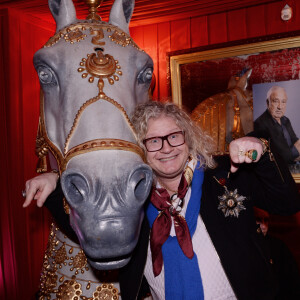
239, 150
39, 188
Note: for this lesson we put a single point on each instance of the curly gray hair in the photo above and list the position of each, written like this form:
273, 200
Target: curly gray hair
200, 144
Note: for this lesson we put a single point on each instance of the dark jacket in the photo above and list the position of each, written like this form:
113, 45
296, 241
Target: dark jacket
271, 129
284, 267
235, 239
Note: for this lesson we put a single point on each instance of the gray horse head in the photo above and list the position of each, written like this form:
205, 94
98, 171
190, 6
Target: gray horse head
92, 76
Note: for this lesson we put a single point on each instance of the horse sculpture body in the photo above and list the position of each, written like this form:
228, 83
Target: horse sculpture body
92, 75
228, 115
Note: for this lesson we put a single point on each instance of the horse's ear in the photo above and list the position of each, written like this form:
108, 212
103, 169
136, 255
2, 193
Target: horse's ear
121, 13
243, 81
248, 73
63, 12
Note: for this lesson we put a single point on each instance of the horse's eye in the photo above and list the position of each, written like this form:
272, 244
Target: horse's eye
46, 76
145, 76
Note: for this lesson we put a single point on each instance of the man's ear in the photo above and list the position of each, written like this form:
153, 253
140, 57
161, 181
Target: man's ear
267, 102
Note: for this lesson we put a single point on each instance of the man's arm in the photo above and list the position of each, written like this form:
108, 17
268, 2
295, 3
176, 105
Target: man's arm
297, 146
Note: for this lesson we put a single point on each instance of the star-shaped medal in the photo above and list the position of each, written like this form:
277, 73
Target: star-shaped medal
231, 203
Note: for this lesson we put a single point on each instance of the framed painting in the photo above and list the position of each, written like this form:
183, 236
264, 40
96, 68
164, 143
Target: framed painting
198, 75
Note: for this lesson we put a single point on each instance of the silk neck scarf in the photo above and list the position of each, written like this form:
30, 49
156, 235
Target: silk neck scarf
182, 274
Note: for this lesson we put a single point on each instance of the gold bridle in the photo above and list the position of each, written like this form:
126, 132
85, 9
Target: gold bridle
96, 65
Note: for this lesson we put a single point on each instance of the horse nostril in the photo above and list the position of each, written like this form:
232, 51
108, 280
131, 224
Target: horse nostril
75, 188
140, 182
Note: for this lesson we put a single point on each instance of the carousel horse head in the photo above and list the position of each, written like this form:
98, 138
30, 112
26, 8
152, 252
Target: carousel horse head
92, 75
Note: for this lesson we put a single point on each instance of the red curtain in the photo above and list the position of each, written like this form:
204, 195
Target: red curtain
23, 232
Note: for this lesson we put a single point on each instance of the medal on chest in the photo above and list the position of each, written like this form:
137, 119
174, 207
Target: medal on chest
231, 202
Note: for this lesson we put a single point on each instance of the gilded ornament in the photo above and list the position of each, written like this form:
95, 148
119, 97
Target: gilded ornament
88, 286
66, 206
79, 262
98, 65
106, 292
93, 7
50, 244
69, 290
41, 148
74, 36
120, 38
61, 255
48, 282
99, 35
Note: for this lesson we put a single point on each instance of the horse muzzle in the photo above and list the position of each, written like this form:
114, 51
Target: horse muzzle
106, 213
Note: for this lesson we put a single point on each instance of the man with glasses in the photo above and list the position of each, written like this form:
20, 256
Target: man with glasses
200, 212
198, 239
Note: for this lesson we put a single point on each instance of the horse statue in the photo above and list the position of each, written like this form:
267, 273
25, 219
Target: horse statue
228, 115
92, 75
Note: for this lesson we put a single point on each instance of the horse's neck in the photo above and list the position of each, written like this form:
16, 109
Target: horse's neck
66, 267
245, 105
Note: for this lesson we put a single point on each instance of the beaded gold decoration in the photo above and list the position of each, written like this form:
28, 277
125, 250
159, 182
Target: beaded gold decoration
79, 262
60, 278
100, 66
75, 35
69, 290
106, 291
84, 25
48, 282
120, 38
61, 256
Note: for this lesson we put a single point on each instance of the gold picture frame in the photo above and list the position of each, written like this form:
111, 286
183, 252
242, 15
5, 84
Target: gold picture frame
177, 60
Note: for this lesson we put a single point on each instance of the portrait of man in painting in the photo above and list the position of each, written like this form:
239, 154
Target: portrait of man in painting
276, 106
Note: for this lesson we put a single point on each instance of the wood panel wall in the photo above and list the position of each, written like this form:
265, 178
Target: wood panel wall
257, 21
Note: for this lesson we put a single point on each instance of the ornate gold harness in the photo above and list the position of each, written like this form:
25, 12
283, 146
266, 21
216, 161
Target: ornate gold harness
96, 65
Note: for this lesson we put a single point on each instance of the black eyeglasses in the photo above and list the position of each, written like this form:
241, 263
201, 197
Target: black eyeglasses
156, 143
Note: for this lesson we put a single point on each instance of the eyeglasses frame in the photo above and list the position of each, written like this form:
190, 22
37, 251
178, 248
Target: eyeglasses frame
164, 138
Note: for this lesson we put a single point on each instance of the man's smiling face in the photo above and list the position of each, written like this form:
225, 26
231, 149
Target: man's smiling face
169, 161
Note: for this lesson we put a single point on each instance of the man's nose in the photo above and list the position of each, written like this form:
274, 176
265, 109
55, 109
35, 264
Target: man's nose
166, 146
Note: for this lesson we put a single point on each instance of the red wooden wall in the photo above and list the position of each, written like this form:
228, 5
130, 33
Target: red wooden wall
159, 39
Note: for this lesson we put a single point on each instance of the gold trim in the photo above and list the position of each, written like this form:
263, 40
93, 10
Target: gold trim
84, 25
102, 144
